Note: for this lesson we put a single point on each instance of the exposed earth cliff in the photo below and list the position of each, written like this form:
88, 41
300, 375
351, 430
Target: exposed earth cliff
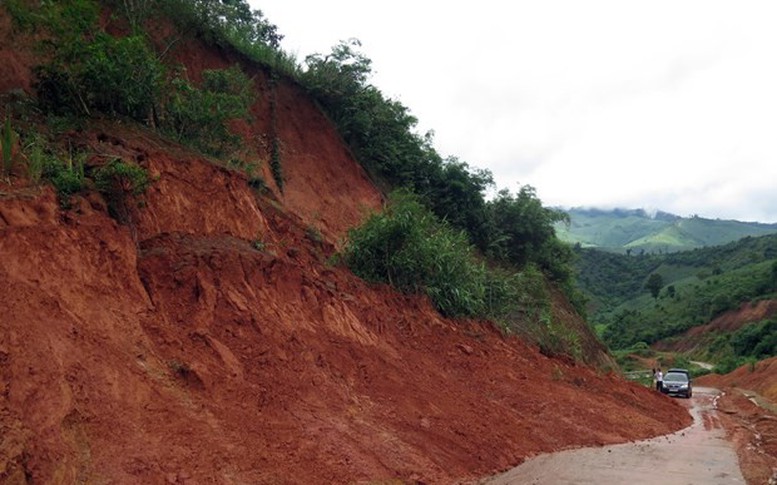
209, 339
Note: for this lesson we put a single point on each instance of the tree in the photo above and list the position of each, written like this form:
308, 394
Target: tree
522, 231
236, 20
381, 133
654, 283
455, 194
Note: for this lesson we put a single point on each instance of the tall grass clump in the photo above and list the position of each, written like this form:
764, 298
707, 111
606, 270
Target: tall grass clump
66, 174
36, 156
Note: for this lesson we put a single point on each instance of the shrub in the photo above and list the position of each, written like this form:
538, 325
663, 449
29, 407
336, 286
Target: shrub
410, 249
122, 76
136, 11
65, 173
90, 71
223, 22
121, 183
23, 17
199, 116
36, 157
117, 76
67, 182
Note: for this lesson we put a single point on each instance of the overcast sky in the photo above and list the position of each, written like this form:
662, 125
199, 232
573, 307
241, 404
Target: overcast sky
668, 105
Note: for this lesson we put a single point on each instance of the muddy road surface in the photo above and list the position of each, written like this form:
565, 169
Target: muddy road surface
699, 454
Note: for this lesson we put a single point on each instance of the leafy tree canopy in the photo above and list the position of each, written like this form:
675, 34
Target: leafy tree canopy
238, 20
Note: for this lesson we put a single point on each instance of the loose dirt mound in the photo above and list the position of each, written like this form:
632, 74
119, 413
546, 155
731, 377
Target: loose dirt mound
760, 377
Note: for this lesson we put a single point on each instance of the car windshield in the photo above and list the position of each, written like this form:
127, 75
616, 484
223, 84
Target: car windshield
675, 377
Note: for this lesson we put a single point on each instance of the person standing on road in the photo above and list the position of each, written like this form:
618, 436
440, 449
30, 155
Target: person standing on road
659, 380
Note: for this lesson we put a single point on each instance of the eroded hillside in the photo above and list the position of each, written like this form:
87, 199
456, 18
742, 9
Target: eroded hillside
699, 338
207, 339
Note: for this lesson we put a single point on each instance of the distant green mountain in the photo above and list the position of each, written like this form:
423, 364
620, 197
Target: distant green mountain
636, 231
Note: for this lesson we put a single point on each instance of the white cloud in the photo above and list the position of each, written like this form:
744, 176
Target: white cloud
665, 104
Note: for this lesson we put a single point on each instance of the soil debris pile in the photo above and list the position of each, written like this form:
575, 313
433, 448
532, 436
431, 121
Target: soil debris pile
760, 377
196, 354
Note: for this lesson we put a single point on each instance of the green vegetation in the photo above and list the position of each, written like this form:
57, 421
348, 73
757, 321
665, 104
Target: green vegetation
199, 116
408, 248
611, 279
121, 183
232, 24
275, 163
519, 231
105, 74
654, 283
514, 230
695, 287
90, 73
64, 171
750, 343
695, 302
68, 179
37, 158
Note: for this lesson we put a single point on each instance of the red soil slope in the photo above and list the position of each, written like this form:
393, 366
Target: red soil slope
199, 358
210, 342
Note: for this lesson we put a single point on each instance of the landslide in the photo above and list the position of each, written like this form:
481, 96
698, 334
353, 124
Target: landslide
760, 377
196, 356
210, 340
698, 338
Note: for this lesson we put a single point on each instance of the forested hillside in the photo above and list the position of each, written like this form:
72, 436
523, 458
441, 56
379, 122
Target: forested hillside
652, 297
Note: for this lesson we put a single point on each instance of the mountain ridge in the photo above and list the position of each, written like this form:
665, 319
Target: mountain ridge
628, 230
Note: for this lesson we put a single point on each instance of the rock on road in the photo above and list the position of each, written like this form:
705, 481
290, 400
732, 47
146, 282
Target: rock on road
699, 454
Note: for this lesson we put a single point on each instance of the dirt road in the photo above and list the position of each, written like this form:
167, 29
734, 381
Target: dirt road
699, 454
